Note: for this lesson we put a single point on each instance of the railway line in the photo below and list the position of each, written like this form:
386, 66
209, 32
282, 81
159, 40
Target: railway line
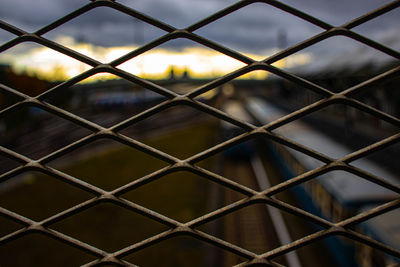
258, 228
334, 196
249, 227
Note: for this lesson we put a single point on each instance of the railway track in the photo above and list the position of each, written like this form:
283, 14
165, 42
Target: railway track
257, 228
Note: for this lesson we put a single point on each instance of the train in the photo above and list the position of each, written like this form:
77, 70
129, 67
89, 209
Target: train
123, 99
335, 195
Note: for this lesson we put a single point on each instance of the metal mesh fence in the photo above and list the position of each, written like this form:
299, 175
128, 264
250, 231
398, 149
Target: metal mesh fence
343, 228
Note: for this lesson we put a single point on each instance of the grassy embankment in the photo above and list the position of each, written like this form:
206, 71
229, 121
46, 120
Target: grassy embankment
182, 196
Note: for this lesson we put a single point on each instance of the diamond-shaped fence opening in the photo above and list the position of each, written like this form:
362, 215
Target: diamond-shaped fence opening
7, 99
35, 132
111, 100
350, 129
188, 247
92, 163
256, 30
240, 226
40, 196
7, 164
108, 237
39, 55
369, 28
14, 252
336, 195
323, 58
387, 91
109, 234
5, 36
386, 157
163, 129
8, 226
178, 62
109, 23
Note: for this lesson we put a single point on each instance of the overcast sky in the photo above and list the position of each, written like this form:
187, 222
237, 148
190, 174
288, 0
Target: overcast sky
252, 29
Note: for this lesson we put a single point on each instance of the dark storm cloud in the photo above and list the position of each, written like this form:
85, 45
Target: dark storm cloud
254, 28
31, 15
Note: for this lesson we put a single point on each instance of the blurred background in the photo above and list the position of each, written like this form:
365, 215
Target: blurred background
257, 31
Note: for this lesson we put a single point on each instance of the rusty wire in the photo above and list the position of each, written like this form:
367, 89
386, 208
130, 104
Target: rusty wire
175, 164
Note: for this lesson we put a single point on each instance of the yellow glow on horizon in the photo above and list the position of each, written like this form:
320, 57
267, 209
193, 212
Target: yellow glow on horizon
199, 62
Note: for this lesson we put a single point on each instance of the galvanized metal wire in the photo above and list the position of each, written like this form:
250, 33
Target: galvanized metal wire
189, 164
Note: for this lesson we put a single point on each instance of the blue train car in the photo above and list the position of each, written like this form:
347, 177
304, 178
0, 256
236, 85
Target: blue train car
122, 99
335, 195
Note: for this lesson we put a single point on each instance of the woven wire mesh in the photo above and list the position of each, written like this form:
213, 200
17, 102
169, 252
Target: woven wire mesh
343, 227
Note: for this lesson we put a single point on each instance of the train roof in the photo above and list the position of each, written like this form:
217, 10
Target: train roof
123, 97
384, 228
345, 187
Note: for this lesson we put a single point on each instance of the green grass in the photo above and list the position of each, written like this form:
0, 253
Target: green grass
182, 196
